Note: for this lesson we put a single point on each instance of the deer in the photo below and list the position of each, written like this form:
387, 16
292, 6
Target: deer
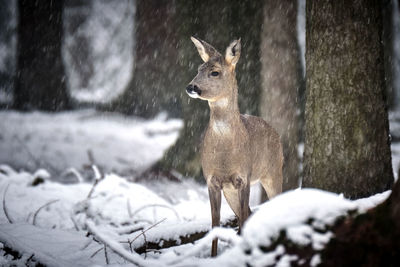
237, 150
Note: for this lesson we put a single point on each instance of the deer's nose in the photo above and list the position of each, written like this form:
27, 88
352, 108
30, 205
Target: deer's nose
193, 89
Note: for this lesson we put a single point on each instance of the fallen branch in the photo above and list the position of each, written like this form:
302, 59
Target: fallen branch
5, 207
118, 248
162, 243
42, 207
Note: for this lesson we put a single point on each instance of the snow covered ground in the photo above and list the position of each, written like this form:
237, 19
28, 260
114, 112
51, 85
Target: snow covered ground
51, 219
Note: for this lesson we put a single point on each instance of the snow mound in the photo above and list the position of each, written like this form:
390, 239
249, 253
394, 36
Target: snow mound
308, 206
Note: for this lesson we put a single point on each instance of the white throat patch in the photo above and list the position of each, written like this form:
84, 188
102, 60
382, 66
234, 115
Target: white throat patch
221, 127
222, 103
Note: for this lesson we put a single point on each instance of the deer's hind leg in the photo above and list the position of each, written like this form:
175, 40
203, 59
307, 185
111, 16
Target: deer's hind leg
239, 204
272, 182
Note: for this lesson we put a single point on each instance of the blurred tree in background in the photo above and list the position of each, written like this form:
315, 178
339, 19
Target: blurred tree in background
154, 81
8, 25
281, 80
40, 81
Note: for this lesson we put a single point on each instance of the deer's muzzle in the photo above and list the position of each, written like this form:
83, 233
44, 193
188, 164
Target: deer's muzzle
193, 91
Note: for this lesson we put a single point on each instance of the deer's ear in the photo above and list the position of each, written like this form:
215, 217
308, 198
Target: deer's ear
206, 51
232, 54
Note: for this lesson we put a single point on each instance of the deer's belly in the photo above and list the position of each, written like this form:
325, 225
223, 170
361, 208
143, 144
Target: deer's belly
225, 165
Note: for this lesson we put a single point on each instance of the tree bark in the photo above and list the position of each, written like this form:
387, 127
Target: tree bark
347, 146
40, 81
217, 22
280, 76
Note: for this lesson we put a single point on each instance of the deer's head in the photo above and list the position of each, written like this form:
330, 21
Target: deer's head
216, 76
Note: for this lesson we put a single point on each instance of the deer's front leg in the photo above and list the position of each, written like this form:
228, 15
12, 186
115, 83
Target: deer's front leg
244, 195
214, 193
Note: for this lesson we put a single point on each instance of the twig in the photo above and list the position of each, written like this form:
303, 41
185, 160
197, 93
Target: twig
74, 222
97, 251
98, 175
154, 225
87, 244
155, 205
132, 229
129, 242
75, 172
145, 243
5, 207
90, 156
29, 259
106, 255
42, 207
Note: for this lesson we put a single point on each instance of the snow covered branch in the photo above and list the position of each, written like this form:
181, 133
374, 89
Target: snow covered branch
118, 248
10, 220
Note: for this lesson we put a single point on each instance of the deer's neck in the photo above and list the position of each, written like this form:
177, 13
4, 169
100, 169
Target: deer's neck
224, 114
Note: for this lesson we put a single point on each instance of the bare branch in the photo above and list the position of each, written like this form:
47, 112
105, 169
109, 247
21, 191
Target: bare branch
10, 220
42, 207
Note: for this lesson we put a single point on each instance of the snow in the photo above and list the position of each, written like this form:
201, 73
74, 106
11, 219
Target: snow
52, 218
53, 248
124, 145
55, 242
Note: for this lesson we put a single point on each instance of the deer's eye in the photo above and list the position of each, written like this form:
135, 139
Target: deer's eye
214, 73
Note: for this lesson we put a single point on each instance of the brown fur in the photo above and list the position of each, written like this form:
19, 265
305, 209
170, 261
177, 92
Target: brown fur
237, 150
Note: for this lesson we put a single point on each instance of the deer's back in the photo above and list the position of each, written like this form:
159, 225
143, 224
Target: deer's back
265, 146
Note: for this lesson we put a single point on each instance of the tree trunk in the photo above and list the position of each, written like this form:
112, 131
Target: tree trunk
347, 147
217, 22
40, 82
280, 76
